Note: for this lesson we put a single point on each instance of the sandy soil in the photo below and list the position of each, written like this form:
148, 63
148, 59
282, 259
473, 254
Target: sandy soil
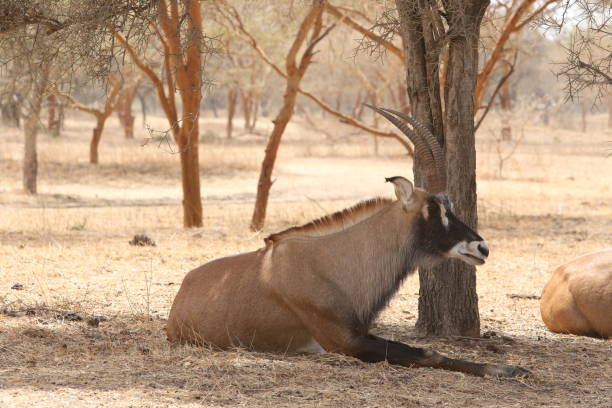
68, 248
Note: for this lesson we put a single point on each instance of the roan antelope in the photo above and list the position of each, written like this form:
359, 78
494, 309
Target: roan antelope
578, 297
317, 287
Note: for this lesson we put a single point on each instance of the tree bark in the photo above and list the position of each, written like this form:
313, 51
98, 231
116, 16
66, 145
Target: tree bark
448, 303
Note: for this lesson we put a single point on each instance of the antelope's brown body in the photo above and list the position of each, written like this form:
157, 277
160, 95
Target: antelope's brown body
318, 287
320, 275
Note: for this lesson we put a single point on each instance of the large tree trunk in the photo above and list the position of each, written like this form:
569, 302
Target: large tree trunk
448, 303
267, 166
30, 128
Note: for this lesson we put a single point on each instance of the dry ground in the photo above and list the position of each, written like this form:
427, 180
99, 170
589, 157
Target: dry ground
68, 248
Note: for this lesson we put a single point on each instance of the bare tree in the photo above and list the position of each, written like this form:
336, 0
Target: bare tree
101, 115
179, 30
295, 66
233, 16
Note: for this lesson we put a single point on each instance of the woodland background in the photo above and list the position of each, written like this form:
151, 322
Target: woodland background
100, 114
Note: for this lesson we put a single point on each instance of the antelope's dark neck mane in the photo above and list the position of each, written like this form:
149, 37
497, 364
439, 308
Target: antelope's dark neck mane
335, 222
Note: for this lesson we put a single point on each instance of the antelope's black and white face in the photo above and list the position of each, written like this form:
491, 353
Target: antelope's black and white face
440, 233
445, 236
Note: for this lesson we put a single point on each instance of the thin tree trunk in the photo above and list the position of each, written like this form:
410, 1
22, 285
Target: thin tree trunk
255, 115
267, 166
10, 111
53, 120
143, 107
95, 139
31, 127
213, 106
506, 106
125, 101
231, 109
30, 159
246, 101
357, 105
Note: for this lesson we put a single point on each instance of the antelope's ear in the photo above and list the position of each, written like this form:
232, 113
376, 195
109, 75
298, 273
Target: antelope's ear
403, 189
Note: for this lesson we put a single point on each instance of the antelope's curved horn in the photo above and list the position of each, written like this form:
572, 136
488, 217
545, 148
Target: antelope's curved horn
436, 149
421, 149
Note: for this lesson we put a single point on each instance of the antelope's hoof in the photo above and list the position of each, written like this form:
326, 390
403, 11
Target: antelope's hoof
509, 371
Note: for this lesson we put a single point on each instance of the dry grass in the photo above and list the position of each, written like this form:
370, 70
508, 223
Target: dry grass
69, 249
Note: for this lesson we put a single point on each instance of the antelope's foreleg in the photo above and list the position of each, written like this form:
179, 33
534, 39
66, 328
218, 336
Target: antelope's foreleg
334, 335
372, 349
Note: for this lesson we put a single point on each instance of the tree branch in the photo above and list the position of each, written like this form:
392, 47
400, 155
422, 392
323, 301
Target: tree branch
344, 19
533, 15
159, 86
77, 105
496, 91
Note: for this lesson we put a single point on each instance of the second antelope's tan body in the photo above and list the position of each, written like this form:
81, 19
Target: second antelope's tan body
578, 297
